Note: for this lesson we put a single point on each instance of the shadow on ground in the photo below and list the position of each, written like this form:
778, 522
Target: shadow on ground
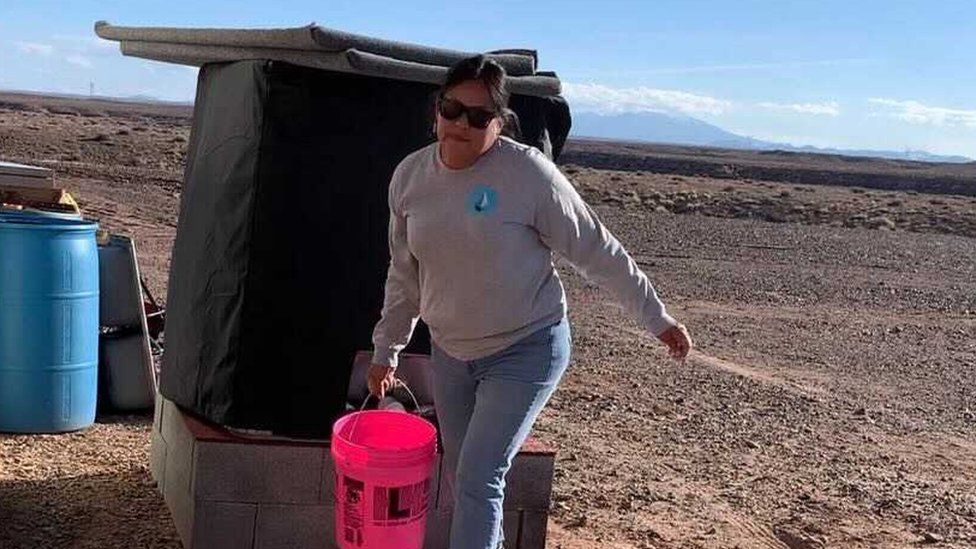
120, 510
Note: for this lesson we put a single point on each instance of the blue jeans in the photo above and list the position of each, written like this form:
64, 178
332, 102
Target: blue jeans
485, 409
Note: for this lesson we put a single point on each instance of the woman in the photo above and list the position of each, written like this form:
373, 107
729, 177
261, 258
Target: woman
474, 219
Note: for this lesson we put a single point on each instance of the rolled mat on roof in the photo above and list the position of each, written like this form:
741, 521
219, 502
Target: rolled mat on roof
322, 48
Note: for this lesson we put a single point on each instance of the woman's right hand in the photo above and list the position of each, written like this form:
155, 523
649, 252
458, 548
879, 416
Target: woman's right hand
678, 341
379, 379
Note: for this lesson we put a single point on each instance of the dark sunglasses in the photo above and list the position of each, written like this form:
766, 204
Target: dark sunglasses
452, 109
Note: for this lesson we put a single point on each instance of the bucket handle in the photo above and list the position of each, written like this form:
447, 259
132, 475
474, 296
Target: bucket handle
396, 383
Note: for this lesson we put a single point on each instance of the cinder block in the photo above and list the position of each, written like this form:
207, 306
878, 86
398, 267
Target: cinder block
528, 484
173, 427
158, 412
533, 530
178, 470
157, 458
181, 509
223, 525
178, 475
294, 526
258, 473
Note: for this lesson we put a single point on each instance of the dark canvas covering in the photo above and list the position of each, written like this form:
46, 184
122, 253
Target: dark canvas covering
281, 250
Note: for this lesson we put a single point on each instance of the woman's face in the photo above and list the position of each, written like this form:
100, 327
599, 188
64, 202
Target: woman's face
458, 138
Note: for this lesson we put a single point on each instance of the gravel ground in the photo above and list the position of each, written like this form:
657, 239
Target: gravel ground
829, 404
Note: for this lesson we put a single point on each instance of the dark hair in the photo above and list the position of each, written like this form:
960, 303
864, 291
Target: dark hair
487, 71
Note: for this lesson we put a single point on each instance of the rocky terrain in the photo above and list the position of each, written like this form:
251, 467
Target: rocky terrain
830, 401
775, 165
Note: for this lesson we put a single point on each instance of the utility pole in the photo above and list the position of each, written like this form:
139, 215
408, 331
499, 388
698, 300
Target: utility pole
91, 88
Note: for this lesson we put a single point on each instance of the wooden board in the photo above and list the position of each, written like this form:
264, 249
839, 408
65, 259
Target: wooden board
12, 168
20, 175
45, 199
8, 180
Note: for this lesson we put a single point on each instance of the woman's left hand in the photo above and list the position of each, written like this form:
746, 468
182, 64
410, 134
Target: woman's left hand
678, 341
380, 379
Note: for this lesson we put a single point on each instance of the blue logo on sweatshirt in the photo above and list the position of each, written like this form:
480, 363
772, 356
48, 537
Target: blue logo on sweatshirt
482, 200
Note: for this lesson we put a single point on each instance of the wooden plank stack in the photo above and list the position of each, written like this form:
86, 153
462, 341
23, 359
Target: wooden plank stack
23, 186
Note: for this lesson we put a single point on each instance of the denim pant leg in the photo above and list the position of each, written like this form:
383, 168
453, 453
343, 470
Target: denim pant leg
454, 398
510, 389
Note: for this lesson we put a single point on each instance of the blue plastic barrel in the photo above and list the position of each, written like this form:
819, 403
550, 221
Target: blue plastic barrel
48, 323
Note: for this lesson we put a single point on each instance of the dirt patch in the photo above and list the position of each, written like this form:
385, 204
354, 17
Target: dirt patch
779, 202
788, 167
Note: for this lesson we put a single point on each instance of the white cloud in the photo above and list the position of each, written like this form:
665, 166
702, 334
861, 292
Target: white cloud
107, 46
75, 50
608, 100
765, 66
829, 108
917, 113
91, 45
737, 67
79, 60
33, 48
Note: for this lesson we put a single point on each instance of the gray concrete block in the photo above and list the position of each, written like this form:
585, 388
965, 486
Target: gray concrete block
533, 530
223, 525
259, 472
157, 412
173, 427
181, 510
157, 458
178, 475
294, 527
178, 470
528, 484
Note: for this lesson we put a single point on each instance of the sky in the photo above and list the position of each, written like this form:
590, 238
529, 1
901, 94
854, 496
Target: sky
892, 75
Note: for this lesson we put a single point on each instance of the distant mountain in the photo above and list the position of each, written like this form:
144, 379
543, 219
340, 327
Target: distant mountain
138, 98
657, 127
908, 154
143, 98
662, 127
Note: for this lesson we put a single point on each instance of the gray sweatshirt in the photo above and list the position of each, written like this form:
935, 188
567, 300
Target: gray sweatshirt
471, 253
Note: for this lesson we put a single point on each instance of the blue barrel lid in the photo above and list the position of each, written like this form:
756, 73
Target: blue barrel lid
60, 214
42, 221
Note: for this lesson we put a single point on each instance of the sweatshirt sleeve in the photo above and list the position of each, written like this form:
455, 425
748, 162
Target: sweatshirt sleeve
569, 226
401, 303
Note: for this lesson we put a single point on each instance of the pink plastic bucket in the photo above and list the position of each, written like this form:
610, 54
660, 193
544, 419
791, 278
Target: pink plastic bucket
383, 463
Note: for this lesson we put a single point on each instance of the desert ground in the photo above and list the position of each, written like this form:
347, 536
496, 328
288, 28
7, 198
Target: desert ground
831, 400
